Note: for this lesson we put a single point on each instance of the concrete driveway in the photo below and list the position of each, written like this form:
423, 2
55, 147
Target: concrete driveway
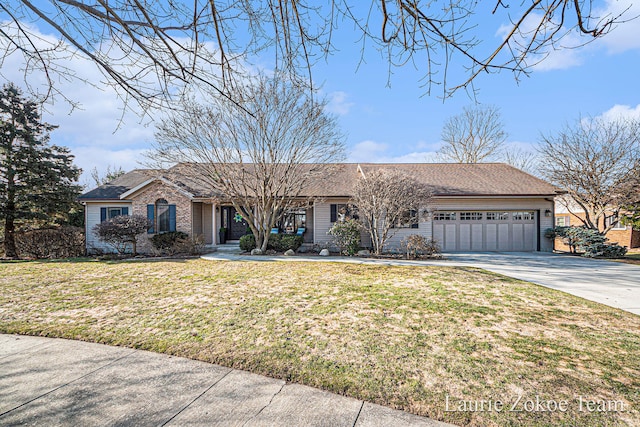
612, 283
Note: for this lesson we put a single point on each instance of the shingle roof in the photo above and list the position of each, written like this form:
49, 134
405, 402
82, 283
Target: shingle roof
472, 179
446, 179
120, 185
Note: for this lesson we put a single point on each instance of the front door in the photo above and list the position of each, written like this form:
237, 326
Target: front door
237, 224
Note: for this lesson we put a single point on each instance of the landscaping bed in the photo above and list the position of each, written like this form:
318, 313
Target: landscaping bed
411, 338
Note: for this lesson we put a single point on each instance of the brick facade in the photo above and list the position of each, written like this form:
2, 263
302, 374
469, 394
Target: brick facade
627, 237
159, 190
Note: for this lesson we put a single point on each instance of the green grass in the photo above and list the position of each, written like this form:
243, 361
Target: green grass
405, 337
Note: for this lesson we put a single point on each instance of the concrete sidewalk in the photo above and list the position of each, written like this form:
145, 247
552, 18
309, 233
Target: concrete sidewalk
46, 381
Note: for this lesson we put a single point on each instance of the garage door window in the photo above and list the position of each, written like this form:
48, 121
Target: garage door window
470, 216
444, 216
523, 216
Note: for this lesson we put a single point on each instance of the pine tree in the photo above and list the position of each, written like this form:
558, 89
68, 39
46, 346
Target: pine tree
37, 180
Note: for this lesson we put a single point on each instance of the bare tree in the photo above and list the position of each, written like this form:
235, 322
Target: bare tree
147, 48
387, 200
598, 163
259, 152
474, 136
520, 158
109, 175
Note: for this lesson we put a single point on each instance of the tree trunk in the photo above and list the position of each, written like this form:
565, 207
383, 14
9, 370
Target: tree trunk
265, 240
10, 250
10, 237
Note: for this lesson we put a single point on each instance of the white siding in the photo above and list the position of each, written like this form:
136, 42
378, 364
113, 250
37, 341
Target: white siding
322, 218
398, 234
496, 237
92, 217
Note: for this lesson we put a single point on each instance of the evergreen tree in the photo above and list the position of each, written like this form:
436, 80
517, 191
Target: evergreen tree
37, 180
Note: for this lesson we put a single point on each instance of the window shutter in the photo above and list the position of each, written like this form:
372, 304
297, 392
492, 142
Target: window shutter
125, 211
172, 217
414, 217
334, 213
103, 214
150, 213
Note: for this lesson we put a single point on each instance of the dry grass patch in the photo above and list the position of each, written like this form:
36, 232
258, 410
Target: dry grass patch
405, 337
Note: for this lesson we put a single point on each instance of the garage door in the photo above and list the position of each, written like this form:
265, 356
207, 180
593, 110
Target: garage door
504, 231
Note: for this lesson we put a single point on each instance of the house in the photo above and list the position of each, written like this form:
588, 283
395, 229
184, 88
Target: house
475, 207
568, 213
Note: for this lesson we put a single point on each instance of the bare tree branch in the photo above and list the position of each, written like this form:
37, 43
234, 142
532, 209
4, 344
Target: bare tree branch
474, 136
261, 153
597, 163
386, 200
150, 50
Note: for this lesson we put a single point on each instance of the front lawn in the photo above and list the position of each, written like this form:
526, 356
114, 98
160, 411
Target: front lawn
406, 337
632, 257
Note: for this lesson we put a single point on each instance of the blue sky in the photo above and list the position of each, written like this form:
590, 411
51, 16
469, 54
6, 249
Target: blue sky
389, 118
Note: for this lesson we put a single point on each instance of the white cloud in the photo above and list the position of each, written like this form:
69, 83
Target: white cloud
626, 35
572, 47
89, 157
98, 133
338, 103
378, 152
618, 112
563, 54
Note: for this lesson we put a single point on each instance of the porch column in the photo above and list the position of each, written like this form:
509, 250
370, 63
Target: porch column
214, 227
314, 222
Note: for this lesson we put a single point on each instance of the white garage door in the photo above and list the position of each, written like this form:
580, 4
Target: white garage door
504, 231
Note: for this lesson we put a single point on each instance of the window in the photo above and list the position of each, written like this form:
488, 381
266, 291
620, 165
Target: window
444, 216
562, 221
408, 220
608, 220
523, 216
470, 216
293, 220
497, 216
162, 215
110, 212
341, 213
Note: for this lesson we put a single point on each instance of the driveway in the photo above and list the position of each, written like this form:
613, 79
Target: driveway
612, 283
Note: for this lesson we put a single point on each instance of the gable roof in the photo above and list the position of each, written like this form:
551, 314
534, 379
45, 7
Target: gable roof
112, 190
446, 179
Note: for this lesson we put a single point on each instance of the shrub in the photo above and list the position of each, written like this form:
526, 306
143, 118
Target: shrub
277, 242
592, 243
346, 236
63, 242
416, 246
166, 241
247, 242
289, 241
122, 231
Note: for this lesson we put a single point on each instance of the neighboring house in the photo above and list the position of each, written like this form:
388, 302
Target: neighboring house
475, 207
568, 213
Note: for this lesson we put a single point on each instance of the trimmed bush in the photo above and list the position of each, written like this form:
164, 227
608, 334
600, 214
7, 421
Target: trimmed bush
165, 241
277, 242
63, 242
247, 242
289, 241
